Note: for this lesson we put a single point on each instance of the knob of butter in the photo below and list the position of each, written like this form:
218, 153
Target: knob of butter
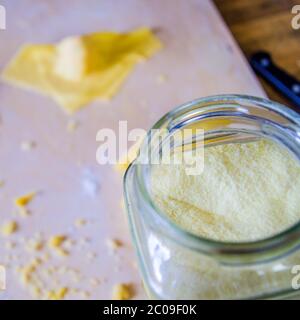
74, 59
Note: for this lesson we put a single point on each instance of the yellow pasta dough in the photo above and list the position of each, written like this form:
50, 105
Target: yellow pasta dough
79, 70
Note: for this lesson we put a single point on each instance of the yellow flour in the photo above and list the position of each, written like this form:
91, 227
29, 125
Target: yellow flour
247, 192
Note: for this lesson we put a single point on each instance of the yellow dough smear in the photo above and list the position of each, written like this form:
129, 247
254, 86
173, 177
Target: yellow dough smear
81, 69
247, 191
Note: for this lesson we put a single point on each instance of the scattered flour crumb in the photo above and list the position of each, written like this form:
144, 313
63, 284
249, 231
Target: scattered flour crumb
114, 244
91, 255
161, 78
90, 183
80, 222
122, 291
25, 199
34, 245
28, 145
9, 228
56, 242
58, 294
72, 125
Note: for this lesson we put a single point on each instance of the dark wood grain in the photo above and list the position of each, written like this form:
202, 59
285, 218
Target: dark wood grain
265, 25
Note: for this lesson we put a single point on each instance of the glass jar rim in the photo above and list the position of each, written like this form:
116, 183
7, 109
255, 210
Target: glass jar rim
249, 252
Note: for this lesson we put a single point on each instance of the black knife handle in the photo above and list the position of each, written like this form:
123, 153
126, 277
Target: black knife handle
286, 84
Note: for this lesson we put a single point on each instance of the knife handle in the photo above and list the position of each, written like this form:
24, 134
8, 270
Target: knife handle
286, 84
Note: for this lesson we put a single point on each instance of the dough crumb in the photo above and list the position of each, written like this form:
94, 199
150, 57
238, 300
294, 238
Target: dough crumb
114, 244
28, 271
58, 294
23, 212
162, 78
24, 200
80, 222
34, 245
122, 291
9, 228
56, 242
72, 125
28, 145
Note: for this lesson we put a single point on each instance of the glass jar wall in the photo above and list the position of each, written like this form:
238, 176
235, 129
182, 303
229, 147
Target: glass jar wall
177, 264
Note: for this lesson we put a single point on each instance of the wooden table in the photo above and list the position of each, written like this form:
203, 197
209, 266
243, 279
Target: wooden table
265, 25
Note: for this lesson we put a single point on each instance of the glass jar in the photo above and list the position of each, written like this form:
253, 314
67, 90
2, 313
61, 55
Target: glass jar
176, 264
